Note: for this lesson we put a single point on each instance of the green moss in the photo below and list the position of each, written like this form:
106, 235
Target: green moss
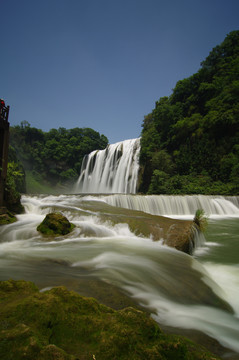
60, 324
7, 218
55, 224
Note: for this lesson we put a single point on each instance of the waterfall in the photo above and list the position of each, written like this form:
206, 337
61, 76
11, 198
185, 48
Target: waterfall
113, 170
177, 205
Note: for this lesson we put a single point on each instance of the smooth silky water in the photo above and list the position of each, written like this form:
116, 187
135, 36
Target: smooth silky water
112, 170
178, 290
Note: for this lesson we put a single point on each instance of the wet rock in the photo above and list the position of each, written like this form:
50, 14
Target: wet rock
175, 233
55, 224
180, 236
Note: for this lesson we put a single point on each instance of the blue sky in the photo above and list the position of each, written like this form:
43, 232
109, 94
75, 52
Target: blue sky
103, 63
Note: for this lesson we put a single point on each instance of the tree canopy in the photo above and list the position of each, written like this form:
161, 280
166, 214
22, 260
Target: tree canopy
54, 156
195, 131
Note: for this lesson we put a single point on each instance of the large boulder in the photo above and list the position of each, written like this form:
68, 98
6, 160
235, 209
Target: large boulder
181, 236
55, 224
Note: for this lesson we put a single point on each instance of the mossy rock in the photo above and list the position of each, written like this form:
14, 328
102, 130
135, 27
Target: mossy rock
7, 218
181, 237
55, 224
61, 324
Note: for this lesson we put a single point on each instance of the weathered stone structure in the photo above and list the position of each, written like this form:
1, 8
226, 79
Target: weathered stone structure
4, 143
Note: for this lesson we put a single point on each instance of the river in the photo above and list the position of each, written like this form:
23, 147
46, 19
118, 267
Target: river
100, 256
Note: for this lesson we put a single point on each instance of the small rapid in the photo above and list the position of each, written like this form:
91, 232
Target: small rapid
178, 205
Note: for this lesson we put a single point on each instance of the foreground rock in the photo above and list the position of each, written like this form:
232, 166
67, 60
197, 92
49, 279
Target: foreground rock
60, 324
55, 224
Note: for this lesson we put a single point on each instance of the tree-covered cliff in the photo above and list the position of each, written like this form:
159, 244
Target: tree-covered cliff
53, 158
190, 141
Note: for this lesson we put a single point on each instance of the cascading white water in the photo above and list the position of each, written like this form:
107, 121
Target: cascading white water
177, 205
113, 170
178, 290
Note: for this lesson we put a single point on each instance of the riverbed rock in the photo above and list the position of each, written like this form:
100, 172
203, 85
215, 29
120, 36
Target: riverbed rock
55, 224
61, 324
181, 237
175, 233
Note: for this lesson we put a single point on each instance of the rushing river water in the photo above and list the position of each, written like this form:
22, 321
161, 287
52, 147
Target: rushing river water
178, 290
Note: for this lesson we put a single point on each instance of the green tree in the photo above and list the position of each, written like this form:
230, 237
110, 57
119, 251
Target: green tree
54, 156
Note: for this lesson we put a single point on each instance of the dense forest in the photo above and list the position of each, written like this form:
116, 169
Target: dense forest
190, 141
49, 159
